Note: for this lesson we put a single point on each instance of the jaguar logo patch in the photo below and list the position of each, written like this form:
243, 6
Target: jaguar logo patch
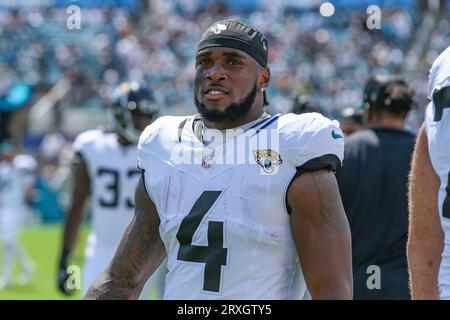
268, 159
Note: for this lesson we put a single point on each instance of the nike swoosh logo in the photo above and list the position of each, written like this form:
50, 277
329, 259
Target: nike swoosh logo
336, 135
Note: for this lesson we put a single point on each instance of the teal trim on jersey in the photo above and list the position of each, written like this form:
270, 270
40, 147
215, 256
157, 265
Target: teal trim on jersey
336, 135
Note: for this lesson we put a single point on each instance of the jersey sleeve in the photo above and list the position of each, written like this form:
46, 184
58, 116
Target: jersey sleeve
84, 141
438, 76
145, 152
438, 88
315, 142
429, 115
145, 140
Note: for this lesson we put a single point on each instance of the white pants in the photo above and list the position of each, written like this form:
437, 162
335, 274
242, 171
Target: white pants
11, 221
97, 263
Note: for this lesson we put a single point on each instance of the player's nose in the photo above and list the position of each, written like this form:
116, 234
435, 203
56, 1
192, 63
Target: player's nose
216, 73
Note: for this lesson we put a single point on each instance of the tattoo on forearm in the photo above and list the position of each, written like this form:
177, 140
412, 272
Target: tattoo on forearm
132, 265
140, 253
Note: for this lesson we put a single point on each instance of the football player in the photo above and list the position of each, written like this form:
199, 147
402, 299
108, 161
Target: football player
269, 227
17, 180
429, 194
106, 170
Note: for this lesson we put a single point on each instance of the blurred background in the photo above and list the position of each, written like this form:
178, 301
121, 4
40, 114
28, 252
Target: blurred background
56, 81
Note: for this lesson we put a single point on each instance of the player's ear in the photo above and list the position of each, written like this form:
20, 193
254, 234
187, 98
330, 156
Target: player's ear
264, 77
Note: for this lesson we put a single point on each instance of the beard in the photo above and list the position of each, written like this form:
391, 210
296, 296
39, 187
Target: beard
232, 112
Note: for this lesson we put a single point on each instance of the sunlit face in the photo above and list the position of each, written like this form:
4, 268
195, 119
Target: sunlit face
225, 83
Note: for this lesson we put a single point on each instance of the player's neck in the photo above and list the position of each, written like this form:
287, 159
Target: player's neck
385, 120
254, 114
388, 123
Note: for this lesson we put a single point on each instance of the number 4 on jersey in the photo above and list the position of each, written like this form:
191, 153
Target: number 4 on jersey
214, 255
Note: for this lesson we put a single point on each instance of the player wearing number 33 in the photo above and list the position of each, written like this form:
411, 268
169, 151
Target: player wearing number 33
270, 227
429, 234
106, 170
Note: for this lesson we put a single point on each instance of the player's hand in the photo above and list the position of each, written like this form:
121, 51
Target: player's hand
63, 276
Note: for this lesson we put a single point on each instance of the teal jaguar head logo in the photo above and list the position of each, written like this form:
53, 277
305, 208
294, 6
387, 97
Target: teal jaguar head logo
268, 159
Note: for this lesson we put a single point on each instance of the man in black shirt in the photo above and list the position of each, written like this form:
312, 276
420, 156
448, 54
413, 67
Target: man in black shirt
373, 186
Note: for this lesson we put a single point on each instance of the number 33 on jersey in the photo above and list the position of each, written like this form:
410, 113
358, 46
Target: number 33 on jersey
113, 177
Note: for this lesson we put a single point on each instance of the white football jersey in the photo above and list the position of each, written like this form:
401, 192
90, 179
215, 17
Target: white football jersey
437, 126
224, 218
113, 176
15, 178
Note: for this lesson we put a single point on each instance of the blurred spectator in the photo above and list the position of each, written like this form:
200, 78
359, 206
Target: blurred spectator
304, 105
351, 120
50, 185
373, 186
50, 147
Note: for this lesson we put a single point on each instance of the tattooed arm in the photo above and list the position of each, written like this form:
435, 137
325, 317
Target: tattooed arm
140, 253
322, 235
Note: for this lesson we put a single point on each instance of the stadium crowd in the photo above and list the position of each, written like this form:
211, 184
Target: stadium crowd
116, 44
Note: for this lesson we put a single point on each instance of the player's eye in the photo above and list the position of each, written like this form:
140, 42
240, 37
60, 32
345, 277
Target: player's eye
204, 61
234, 62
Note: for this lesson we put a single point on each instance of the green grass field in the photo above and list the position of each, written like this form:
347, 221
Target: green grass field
43, 244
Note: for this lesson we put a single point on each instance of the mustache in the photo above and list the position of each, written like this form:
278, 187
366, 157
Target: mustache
214, 87
232, 112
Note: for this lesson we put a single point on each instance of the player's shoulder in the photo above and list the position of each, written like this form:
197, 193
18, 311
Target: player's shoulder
88, 137
307, 125
363, 135
441, 61
439, 75
306, 121
311, 139
159, 139
167, 126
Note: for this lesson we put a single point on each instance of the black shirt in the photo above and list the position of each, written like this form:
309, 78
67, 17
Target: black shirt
373, 185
